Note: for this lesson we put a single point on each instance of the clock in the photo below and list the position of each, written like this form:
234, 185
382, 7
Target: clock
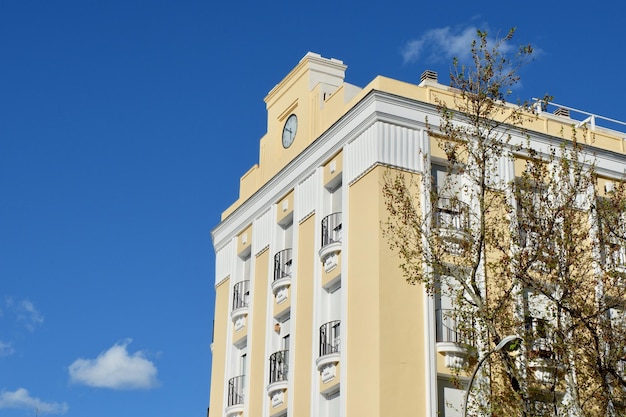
289, 131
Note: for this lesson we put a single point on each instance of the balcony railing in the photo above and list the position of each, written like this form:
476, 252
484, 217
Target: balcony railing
282, 264
241, 294
331, 229
541, 336
279, 366
330, 338
235, 390
454, 329
452, 214
615, 255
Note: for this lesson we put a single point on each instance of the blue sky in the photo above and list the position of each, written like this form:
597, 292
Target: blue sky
124, 129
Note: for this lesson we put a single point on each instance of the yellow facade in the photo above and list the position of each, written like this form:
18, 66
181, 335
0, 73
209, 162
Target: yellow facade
313, 316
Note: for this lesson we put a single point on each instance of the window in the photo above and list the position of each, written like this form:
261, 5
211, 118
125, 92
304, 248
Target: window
540, 321
241, 288
243, 363
331, 224
333, 404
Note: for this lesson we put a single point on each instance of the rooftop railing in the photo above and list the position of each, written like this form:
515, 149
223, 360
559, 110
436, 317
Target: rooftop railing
583, 117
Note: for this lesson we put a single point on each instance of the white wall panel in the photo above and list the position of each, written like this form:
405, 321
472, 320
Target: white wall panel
306, 196
262, 231
387, 144
223, 262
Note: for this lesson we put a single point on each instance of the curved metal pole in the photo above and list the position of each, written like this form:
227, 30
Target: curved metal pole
505, 341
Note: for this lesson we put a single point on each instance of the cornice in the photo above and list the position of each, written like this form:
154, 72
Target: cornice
356, 120
376, 106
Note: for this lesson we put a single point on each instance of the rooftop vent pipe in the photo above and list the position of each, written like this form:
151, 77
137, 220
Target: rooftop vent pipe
428, 75
562, 112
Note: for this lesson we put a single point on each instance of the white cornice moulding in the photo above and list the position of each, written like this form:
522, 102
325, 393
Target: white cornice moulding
384, 143
373, 107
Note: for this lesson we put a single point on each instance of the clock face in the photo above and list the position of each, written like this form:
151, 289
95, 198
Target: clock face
289, 131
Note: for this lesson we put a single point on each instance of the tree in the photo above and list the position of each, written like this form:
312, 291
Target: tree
539, 255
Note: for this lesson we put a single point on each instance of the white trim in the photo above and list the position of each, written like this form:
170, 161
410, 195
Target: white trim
345, 279
278, 285
234, 410
430, 335
393, 111
325, 360
373, 107
293, 316
317, 293
384, 143
262, 231
306, 195
271, 226
223, 262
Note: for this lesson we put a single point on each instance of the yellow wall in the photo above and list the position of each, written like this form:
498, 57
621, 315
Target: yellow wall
257, 359
317, 110
304, 319
282, 308
389, 312
222, 321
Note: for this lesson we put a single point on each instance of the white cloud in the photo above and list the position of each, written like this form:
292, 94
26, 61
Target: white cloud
25, 312
21, 399
116, 369
28, 314
6, 349
443, 44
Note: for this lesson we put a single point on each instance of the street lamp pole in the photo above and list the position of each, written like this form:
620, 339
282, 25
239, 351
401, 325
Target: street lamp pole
504, 342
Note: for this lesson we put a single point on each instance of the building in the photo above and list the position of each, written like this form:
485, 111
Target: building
312, 314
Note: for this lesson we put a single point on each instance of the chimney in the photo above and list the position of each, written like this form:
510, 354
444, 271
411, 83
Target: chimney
562, 112
428, 75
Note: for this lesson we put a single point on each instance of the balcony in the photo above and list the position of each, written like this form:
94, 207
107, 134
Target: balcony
542, 359
282, 264
329, 350
451, 214
540, 337
331, 229
615, 256
331, 241
279, 367
330, 338
241, 296
283, 272
451, 219
234, 405
539, 248
455, 338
